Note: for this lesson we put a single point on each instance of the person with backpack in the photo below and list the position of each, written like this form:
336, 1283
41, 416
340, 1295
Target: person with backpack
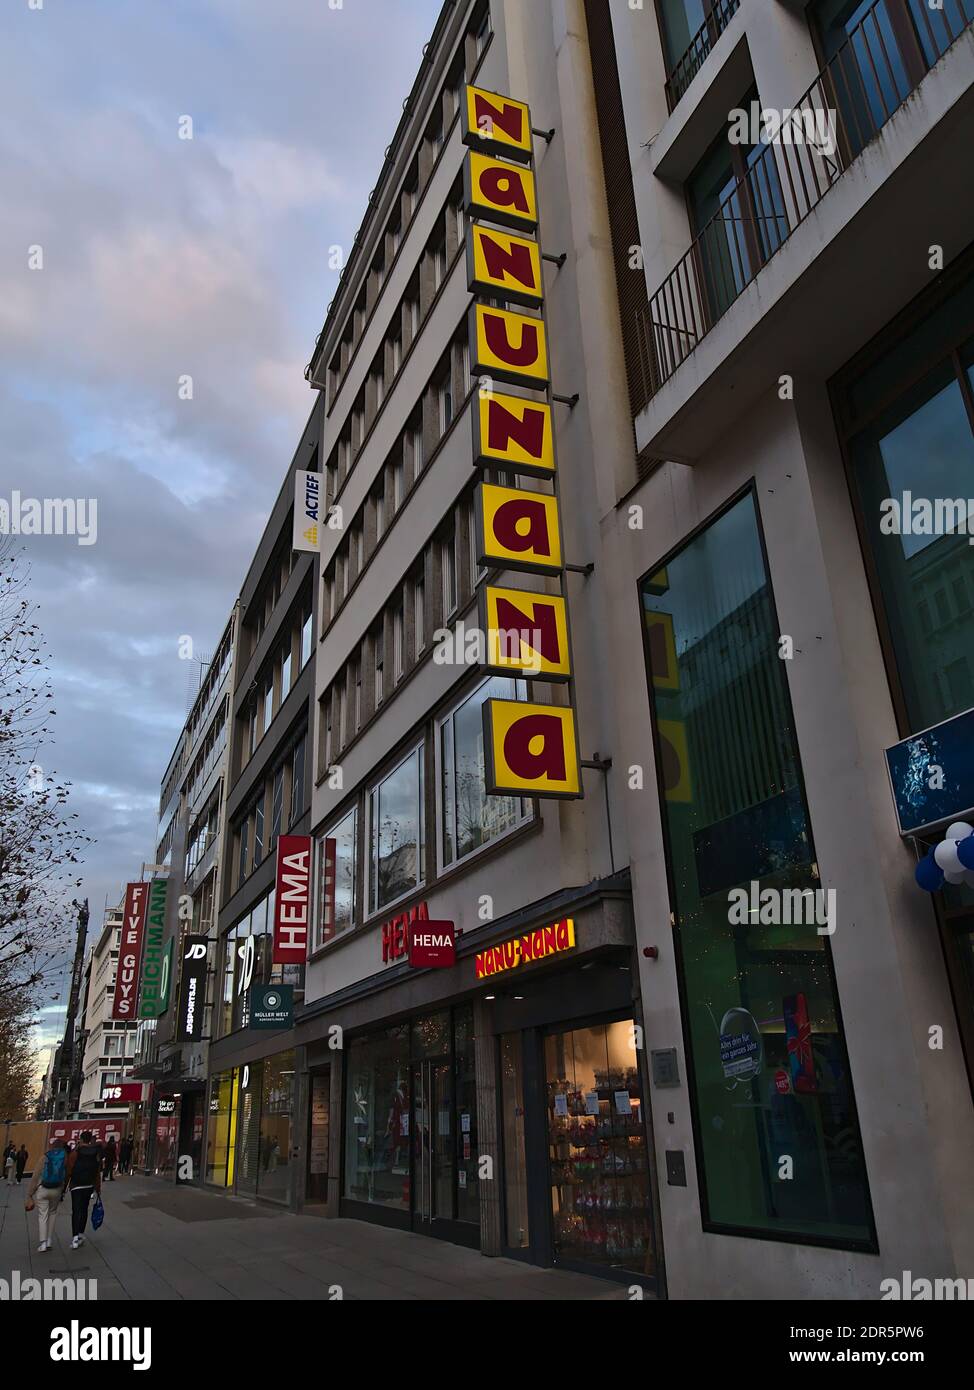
46, 1190
84, 1177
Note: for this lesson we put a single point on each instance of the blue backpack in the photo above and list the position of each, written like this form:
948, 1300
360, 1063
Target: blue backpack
52, 1174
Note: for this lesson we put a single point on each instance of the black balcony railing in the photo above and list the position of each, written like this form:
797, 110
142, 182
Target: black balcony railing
699, 46
846, 106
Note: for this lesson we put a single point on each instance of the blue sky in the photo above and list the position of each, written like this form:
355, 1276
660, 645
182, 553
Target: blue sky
165, 257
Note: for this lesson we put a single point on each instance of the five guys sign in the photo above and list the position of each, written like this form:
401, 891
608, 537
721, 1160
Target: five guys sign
130, 951
292, 900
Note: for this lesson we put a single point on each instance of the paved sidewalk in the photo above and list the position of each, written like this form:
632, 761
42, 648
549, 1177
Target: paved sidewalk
163, 1242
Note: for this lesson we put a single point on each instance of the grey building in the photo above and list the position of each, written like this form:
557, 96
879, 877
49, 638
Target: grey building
767, 323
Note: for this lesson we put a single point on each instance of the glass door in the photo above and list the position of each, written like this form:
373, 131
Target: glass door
433, 1144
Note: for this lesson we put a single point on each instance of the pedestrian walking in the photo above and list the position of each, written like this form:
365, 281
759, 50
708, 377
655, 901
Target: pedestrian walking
84, 1177
109, 1159
10, 1163
125, 1154
46, 1191
22, 1157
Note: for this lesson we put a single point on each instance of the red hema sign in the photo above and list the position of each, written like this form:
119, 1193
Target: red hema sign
433, 944
292, 901
130, 951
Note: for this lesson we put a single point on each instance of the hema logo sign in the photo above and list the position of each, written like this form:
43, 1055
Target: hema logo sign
432, 944
77, 1343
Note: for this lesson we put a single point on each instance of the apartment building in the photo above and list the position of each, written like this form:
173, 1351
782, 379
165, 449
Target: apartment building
109, 1044
251, 1102
757, 328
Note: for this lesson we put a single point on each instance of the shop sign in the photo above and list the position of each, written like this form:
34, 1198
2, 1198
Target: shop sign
521, 950
272, 1006
495, 123
432, 944
931, 775
124, 1092
154, 990
530, 749
507, 346
513, 432
500, 192
292, 900
307, 510
71, 1130
502, 264
395, 932
517, 529
130, 951
171, 1065
192, 988
526, 633
166, 1106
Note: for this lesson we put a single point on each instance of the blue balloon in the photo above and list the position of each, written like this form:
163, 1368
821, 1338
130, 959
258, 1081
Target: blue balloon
929, 874
965, 852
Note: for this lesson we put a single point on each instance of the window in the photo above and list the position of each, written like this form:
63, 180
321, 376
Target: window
379, 690
759, 1002
439, 265
259, 830
448, 565
469, 817
252, 733
419, 614
417, 443
397, 643
377, 1138
244, 851
277, 806
483, 32
380, 510
357, 689
444, 397
396, 355
306, 637
336, 857
398, 483
343, 711
396, 823
297, 778
268, 703
286, 675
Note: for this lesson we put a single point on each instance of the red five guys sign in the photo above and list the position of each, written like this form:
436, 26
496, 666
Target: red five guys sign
529, 748
130, 951
292, 899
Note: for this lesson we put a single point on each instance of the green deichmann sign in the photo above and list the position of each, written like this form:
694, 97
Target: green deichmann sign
156, 960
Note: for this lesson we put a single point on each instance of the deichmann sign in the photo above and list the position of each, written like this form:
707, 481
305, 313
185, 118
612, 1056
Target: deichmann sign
192, 988
292, 900
130, 951
154, 988
521, 950
529, 749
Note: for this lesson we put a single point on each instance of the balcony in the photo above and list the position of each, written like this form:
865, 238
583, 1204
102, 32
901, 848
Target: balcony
698, 48
850, 101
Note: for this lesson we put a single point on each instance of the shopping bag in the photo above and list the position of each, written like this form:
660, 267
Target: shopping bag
97, 1214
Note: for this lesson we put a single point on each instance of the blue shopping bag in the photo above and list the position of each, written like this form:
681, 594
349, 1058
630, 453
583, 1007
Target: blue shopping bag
97, 1214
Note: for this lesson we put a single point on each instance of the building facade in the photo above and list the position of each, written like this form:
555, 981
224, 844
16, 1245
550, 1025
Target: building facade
702, 1029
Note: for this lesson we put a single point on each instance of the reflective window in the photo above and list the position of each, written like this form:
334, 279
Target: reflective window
396, 818
337, 852
470, 818
766, 1045
377, 1120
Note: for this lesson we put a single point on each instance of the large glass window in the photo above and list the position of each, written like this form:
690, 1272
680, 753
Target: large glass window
469, 817
767, 1052
377, 1119
276, 1116
221, 1130
337, 853
396, 819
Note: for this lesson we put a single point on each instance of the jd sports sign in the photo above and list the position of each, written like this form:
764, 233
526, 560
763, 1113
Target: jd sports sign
192, 988
271, 1006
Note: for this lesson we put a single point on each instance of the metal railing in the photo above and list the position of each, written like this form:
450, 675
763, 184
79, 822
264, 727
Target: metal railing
690, 63
789, 172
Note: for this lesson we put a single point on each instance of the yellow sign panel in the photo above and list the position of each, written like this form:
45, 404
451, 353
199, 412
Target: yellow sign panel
533, 945
514, 431
674, 760
526, 633
509, 346
496, 124
530, 750
502, 265
661, 638
500, 192
517, 529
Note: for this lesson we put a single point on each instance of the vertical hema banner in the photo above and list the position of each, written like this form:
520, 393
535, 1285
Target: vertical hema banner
307, 510
130, 951
530, 749
292, 900
153, 997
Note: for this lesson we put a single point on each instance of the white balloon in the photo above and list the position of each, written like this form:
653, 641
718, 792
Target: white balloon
956, 878
960, 830
946, 857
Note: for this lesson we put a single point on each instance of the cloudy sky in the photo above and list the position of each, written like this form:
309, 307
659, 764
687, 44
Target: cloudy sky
164, 258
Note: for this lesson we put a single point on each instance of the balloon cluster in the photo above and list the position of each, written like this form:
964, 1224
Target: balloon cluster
952, 861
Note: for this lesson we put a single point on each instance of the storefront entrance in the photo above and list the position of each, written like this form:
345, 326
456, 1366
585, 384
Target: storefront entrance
432, 1144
